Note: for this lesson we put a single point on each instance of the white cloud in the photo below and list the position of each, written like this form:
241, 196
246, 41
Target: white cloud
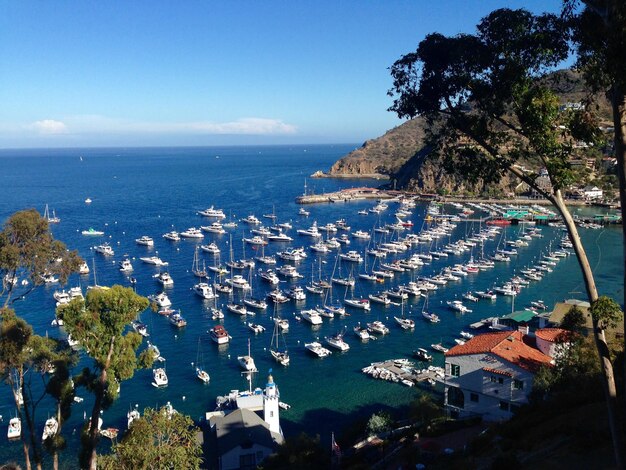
49, 127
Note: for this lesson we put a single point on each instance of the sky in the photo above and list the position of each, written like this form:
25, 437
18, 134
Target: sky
88, 73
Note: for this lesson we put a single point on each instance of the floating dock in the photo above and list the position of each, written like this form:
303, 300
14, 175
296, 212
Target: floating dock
404, 371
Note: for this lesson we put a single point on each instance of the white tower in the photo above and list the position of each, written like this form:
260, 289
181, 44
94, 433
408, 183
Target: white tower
270, 405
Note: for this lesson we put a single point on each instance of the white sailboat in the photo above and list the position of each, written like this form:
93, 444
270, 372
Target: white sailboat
247, 362
195, 265
280, 355
200, 372
405, 323
51, 219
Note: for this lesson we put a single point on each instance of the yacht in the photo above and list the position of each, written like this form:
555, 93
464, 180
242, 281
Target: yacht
219, 334
216, 314
320, 247
104, 249
15, 428
50, 428
145, 241
431, 317
296, 293
247, 362
211, 248
75, 292
351, 255
212, 212
155, 260
337, 342
458, 306
317, 349
92, 232
361, 235
255, 327
258, 304
215, 227
303, 212
238, 282
140, 328
239, 309
279, 237
312, 316
269, 276
165, 279
177, 320
204, 290
125, 265
61, 297
172, 236
471, 297
439, 347
294, 254
192, 232
159, 377
256, 240
203, 375
490, 295
162, 300
405, 323
282, 323
83, 269
377, 327
277, 296
289, 271
251, 220
380, 299
361, 332
312, 231
131, 416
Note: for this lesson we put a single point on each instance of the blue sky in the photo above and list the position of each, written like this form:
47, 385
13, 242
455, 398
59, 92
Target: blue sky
150, 73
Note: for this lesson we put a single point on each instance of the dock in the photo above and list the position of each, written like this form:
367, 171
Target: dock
345, 195
404, 371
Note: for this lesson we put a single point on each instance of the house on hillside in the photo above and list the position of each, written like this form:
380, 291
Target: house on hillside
492, 374
591, 193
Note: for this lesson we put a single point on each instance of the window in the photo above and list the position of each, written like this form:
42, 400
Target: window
247, 461
493, 379
455, 370
500, 380
271, 414
504, 406
518, 384
474, 397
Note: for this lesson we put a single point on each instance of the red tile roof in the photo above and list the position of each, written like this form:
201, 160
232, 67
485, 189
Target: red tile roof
497, 371
508, 345
552, 334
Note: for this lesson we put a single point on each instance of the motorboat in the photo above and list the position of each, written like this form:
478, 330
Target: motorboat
458, 306
239, 309
15, 428
296, 293
155, 260
258, 304
279, 237
360, 234
336, 341
256, 241
159, 377
422, 355
303, 212
317, 349
405, 323
282, 323
312, 316
165, 279
144, 241
203, 375
104, 249
439, 347
361, 332
204, 290
83, 269
192, 232
277, 296
466, 335
489, 295
211, 248
380, 299
140, 328
294, 254
212, 212
352, 256
269, 276
289, 271
471, 297
172, 236
312, 231
255, 327
219, 334
344, 281
216, 314
50, 428
222, 288
61, 297
215, 227
131, 416
320, 247
377, 327
92, 232
251, 220
238, 282
177, 320
161, 300
125, 265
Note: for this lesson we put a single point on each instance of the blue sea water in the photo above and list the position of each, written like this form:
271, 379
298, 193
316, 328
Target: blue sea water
150, 191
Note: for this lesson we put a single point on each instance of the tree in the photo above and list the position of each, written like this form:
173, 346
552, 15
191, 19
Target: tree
378, 423
599, 35
487, 100
27, 247
98, 324
157, 440
574, 320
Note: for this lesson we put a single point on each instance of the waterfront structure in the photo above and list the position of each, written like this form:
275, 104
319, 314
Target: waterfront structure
492, 374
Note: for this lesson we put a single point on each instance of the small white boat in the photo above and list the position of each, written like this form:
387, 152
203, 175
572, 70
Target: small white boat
363, 304
92, 232
104, 249
144, 241
216, 314
251, 220
165, 279
204, 290
50, 428
202, 375
422, 355
439, 347
239, 309
140, 328
238, 282
337, 342
162, 300
210, 248
377, 327
458, 306
177, 320
312, 316
192, 232
317, 349
219, 334
256, 327
362, 332
131, 416
159, 377
172, 236
296, 293
155, 260
125, 265
83, 269
215, 227
15, 428
247, 361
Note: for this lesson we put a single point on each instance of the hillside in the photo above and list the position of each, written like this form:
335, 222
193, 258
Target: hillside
400, 154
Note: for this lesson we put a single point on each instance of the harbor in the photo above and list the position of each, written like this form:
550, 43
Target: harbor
405, 372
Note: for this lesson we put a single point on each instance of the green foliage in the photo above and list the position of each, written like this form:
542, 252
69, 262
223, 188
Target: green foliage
574, 320
488, 101
28, 247
301, 452
157, 441
379, 423
606, 312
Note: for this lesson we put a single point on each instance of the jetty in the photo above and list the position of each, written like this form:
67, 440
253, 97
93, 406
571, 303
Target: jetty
346, 195
404, 371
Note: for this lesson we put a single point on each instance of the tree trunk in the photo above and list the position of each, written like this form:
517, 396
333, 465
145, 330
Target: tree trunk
608, 383
55, 453
95, 414
23, 439
618, 103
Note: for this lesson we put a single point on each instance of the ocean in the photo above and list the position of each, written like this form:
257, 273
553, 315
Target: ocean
150, 191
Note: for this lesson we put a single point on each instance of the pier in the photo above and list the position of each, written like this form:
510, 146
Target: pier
345, 195
404, 371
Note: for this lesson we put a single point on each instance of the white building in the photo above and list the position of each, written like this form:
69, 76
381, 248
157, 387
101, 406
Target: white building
591, 193
491, 374
243, 439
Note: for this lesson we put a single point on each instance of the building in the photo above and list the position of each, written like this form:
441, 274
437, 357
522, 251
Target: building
492, 374
242, 438
591, 193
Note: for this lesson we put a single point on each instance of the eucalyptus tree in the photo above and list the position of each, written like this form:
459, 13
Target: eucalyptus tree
100, 324
157, 440
491, 111
28, 248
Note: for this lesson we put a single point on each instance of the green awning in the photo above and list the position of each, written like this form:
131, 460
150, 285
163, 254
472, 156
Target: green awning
523, 316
